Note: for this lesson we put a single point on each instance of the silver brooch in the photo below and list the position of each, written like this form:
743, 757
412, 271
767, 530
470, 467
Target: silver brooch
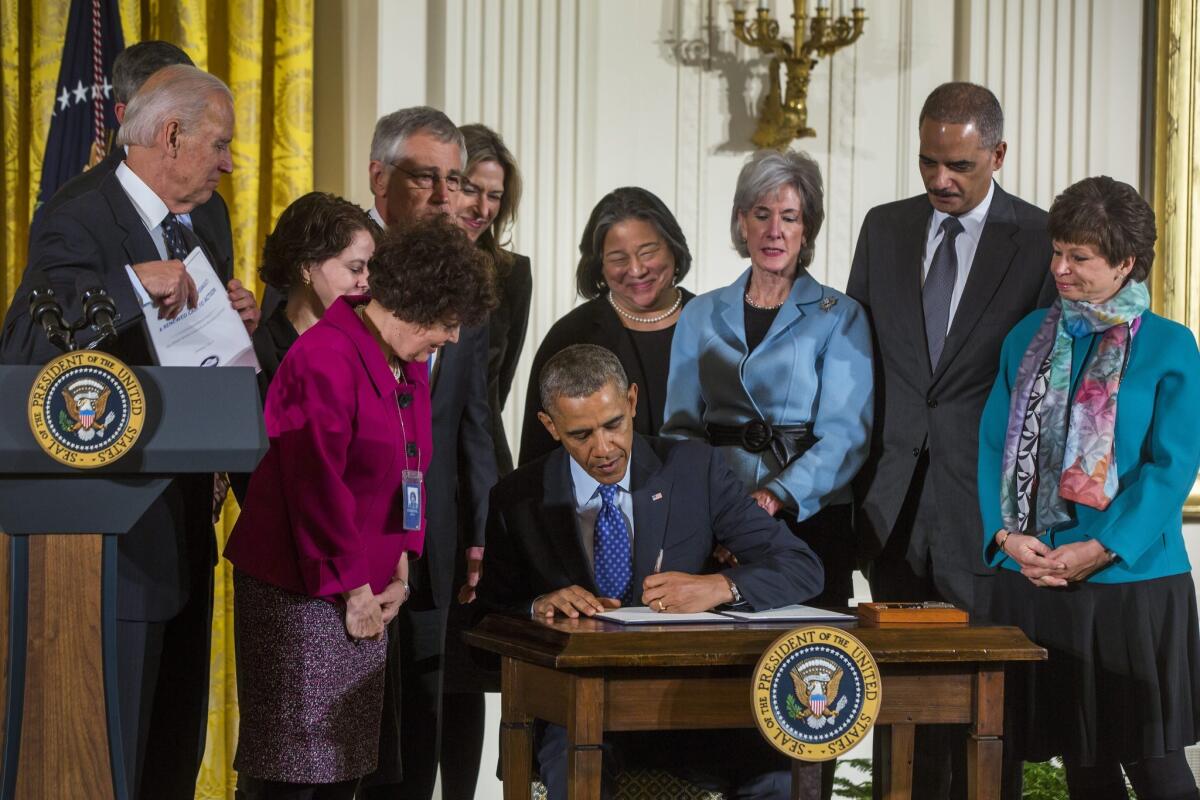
827, 302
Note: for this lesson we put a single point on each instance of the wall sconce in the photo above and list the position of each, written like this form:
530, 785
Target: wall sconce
784, 117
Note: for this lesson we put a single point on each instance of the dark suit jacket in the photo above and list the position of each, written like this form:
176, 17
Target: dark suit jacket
464, 462
939, 410
506, 336
99, 232
594, 322
210, 220
272, 339
534, 543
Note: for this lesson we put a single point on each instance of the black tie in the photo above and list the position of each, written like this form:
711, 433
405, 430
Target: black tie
939, 288
174, 237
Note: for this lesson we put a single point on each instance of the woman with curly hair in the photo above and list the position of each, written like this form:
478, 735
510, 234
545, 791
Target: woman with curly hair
321, 548
318, 252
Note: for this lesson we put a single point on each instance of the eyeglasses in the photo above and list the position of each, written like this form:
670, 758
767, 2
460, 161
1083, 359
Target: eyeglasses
427, 180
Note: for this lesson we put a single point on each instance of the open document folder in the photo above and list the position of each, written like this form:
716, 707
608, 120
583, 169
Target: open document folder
641, 615
209, 335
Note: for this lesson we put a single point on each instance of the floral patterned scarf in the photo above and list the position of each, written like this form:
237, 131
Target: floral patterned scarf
1049, 434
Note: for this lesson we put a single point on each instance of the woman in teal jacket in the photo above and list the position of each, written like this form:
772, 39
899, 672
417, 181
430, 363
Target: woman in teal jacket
775, 369
1088, 449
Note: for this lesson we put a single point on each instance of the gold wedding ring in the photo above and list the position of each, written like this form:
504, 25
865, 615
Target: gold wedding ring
661, 607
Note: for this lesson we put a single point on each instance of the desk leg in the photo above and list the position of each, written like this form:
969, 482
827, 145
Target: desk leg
896, 748
516, 735
985, 748
806, 779
585, 738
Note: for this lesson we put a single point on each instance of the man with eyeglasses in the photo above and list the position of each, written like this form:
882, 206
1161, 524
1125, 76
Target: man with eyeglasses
417, 159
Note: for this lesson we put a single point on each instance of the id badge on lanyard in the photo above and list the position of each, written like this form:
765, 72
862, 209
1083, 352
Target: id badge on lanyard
412, 499
412, 479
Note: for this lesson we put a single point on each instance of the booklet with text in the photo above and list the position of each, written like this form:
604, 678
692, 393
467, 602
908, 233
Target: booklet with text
210, 335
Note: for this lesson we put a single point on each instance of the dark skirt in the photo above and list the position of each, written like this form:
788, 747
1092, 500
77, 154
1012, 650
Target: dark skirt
309, 696
830, 534
1122, 681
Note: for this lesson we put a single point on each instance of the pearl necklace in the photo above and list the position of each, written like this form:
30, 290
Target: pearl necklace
753, 304
648, 320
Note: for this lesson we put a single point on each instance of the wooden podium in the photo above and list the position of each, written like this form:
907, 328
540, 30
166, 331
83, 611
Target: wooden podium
591, 676
61, 732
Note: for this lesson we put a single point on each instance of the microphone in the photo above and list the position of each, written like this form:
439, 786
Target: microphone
47, 312
99, 310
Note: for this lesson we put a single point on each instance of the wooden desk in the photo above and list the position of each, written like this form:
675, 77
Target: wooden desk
591, 677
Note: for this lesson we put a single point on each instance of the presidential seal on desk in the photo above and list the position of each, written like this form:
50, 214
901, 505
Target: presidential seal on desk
816, 693
86, 409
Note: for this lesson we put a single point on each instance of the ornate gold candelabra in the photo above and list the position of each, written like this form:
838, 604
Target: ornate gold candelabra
784, 116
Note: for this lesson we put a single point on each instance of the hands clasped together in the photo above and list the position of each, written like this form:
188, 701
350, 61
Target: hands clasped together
671, 592
367, 614
1056, 567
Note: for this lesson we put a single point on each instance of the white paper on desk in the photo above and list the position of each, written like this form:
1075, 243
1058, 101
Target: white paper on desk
209, 335
641, 615
795, 613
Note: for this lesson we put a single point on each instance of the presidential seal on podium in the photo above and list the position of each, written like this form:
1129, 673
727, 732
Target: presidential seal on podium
816, 693
86, 409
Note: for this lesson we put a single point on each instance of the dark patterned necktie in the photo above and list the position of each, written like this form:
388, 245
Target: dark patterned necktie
614, 559
175, 238
939, 288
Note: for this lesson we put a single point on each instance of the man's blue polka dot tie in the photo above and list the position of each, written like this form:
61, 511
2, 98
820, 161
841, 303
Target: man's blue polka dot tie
614, 562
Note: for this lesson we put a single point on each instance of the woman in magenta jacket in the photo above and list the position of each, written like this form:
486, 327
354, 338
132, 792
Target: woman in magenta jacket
334, 511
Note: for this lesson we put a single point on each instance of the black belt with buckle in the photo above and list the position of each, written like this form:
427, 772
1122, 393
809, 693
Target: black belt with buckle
786, 442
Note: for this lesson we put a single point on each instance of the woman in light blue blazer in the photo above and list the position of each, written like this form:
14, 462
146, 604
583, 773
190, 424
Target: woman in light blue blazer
1088, 447
775, 369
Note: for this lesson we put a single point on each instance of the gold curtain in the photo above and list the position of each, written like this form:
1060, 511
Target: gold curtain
264, 50
1175, 280
31, 40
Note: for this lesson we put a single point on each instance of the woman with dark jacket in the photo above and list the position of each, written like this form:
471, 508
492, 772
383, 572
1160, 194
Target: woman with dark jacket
1088, 448
487, 206
319, 251
632, 257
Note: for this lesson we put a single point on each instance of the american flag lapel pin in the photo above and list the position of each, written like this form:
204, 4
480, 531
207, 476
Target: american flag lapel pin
656, 496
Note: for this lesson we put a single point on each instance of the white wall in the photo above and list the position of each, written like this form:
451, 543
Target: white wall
595, 94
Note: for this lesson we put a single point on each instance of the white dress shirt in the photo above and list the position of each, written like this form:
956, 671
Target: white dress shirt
964, 246
186, 219
148, 205
152, 211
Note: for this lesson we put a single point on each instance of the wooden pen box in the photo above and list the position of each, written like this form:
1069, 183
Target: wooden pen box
911, 614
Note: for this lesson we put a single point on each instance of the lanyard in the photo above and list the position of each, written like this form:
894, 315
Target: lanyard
398, 372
